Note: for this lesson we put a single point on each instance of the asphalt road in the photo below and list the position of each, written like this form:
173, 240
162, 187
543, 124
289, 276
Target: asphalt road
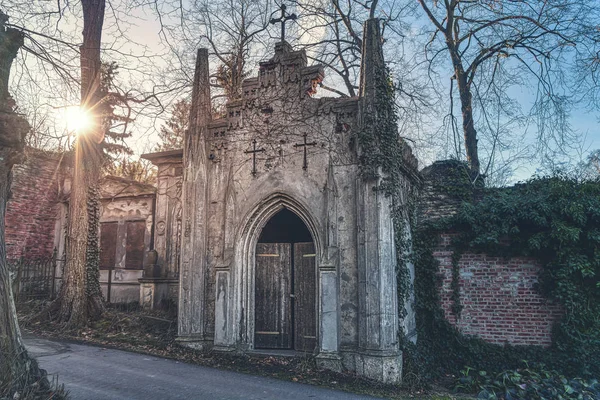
95, 373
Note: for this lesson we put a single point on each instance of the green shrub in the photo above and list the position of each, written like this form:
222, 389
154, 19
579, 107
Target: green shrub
527, 383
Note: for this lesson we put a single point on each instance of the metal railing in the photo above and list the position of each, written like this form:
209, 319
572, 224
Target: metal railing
34, 278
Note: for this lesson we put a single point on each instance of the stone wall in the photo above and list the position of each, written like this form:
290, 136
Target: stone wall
500, 302
34, 208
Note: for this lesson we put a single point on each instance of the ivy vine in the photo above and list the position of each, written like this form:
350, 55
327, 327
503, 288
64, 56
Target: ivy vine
381, 158
555, 220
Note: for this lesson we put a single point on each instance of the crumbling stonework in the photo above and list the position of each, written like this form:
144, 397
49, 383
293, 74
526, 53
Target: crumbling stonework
161, 277
277, 149
126, 223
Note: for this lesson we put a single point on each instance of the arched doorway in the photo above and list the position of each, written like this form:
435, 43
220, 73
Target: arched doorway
285, 285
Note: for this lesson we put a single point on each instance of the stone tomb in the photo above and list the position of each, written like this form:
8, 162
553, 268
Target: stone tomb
126, 220
283, 245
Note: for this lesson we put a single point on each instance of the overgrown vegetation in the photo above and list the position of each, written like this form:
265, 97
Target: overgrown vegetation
555, 220
30, 386
529, 382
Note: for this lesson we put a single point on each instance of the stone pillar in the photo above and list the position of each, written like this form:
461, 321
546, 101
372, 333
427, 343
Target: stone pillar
161, 217
329, 312
379, 356
192, 290
329, 356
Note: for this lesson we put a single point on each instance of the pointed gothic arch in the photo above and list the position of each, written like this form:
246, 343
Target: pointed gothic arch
245, 259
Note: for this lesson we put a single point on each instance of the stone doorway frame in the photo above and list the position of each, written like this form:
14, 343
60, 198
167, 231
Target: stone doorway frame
245, 261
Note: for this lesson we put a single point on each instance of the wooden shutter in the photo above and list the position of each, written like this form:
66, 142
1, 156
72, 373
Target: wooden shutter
108, 244
134, 256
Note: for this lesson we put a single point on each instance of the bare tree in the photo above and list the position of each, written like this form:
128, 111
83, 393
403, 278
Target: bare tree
235, 31
331, 32
493, 45
587, 59
80, 298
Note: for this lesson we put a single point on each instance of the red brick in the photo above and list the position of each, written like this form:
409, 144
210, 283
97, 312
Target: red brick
32, 210
500, 303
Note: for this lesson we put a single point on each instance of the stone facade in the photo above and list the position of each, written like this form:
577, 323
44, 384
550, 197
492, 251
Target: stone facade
276, 149
126, 225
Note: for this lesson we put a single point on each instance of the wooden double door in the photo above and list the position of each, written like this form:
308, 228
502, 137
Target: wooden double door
285, 296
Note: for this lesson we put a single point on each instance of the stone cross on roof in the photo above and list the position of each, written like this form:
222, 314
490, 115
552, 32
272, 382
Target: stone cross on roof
283, 19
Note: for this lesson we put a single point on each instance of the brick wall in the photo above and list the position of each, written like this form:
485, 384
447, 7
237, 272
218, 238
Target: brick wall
499, 299
33, 208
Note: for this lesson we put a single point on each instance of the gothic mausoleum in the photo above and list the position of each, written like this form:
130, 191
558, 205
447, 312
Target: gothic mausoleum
277, 240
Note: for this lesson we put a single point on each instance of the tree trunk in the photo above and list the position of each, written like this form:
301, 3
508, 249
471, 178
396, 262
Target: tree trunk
466, 107
94, 292
80, 298
470, 134
18, 371
93, 20
72, 300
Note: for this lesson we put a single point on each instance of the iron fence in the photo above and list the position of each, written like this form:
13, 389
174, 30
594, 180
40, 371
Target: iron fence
34, 278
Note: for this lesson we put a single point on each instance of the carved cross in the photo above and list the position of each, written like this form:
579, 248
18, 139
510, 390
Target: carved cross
305, 145
283, 19
253, 152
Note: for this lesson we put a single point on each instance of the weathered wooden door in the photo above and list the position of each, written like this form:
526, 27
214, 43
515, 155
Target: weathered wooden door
305, 321
272, 299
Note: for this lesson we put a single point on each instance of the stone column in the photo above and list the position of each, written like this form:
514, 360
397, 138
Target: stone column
329, 356
192, 290
329, 315
379, 356
225, 336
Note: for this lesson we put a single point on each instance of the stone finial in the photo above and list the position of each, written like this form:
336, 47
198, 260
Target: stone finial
372, 59
200, 111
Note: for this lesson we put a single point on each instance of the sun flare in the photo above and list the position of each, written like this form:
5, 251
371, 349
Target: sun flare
77, 120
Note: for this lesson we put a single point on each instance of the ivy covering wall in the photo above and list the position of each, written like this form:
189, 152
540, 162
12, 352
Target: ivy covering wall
556, 220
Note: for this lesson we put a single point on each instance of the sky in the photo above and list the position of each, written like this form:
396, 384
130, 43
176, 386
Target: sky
145, 38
